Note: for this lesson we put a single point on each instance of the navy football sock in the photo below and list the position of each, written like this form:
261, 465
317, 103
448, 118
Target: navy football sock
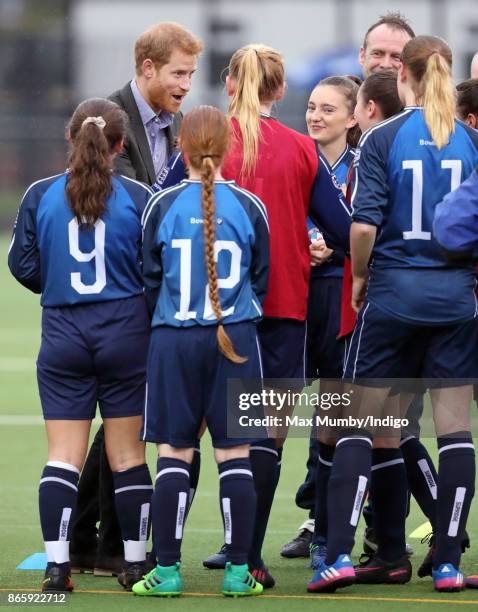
422, 476
237, 497
170, 502
324, 468
347, 487
263, 459
456, 487
57, 501
279, 463
133, 490
194, 470
389, 491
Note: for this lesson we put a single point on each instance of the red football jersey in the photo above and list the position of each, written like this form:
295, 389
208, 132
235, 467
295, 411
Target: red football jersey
348, 316
285, 171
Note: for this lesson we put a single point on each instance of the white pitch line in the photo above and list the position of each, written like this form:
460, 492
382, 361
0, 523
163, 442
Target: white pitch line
14, 334
16, 364
28, 420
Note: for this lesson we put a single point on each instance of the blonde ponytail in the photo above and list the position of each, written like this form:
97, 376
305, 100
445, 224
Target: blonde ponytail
207, 179
258, 72
439, 104
429, 62
245, 106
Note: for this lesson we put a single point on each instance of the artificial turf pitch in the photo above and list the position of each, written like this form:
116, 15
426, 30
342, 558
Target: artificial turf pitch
23, 454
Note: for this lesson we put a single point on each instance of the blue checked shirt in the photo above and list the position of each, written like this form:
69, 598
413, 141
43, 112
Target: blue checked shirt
154, 126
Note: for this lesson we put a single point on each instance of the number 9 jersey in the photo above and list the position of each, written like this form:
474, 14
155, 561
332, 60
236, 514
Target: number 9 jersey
70, 264
400, 176
174, 266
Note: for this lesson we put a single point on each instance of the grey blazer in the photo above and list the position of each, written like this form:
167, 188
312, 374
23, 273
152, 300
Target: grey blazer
135, 161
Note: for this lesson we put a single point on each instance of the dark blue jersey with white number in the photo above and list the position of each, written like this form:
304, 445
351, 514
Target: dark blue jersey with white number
68, 263
174, 265
400, 176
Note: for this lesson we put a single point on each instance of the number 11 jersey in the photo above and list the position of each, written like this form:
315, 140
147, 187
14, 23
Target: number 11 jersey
400, 177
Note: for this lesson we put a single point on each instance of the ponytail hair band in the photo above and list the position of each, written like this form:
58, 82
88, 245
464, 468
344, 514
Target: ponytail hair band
98, 121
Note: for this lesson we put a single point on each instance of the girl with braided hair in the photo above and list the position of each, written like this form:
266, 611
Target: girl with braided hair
205, 264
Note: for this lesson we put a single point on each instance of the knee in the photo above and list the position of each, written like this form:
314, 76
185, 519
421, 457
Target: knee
171, 452
386, 442
235, 452
124, 459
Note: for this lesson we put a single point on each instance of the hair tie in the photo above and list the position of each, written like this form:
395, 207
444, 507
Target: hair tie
208, 155
98, 121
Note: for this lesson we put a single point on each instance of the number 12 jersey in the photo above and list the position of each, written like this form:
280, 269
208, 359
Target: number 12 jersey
174, 265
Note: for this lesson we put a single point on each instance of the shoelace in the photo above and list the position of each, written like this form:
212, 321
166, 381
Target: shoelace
428, 539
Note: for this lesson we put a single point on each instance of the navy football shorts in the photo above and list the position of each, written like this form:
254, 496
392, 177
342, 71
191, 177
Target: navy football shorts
383, 346
187, 381
325, 354
283, 348
94, 353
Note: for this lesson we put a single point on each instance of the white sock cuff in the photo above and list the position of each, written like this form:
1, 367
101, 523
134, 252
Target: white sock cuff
63, 466
354, 439
135, 551
309, 524
57, 551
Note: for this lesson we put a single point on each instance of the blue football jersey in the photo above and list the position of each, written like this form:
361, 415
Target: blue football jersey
174, 265
341, 167
330, 212
68, 263
456, 220
400, 177
172, 173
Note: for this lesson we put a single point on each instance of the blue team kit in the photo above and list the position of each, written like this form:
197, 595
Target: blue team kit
187, 374
400, 178
95, 327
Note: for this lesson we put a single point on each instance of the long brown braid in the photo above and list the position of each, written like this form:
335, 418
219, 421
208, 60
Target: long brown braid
204, 139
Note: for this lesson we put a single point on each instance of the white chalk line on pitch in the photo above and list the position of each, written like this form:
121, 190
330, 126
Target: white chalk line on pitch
14, 334
297, 597
29, 420
17, 364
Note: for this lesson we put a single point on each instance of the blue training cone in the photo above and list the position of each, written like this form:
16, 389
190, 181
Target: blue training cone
37, 561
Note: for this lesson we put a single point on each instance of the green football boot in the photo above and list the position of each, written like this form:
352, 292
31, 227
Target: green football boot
238, 582
161, 582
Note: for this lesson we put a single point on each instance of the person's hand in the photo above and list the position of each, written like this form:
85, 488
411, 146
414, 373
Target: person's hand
319, 252
359, 289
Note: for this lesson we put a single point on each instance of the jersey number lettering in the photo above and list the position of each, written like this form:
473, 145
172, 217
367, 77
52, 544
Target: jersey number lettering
229, 282
416, 166
98, 254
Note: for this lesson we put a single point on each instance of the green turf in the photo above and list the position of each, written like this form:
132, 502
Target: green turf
23, 451
9, 202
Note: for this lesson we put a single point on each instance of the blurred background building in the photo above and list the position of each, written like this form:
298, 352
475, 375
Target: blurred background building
54, 53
